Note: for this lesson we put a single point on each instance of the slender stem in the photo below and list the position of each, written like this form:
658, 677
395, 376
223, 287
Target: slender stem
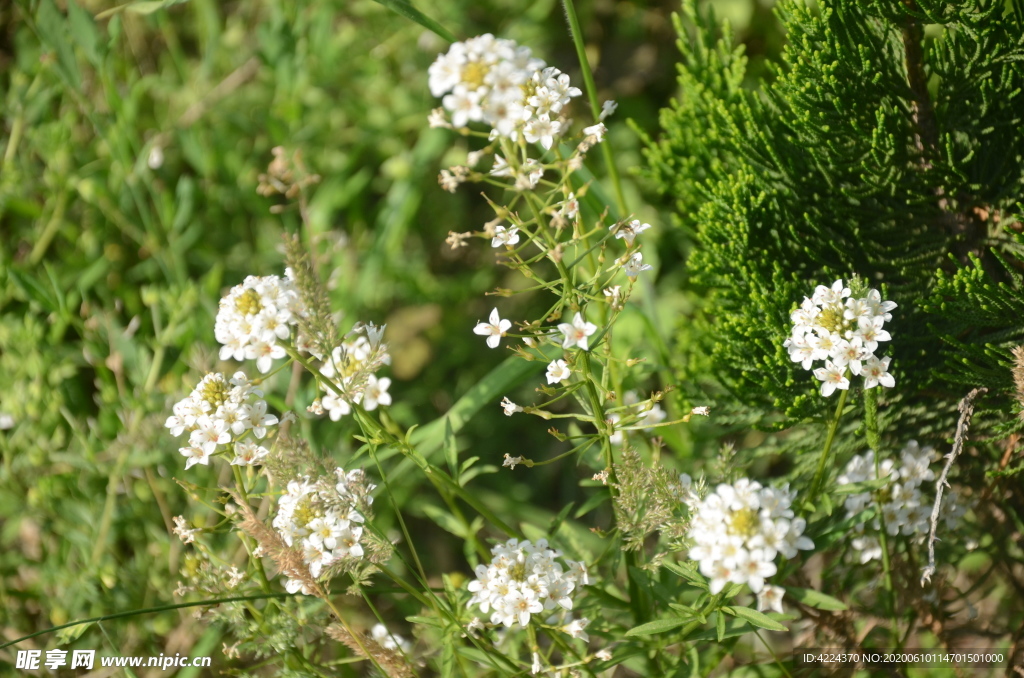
147, 610
886, 564
832, 428
637, 597
595, 108
871, 428
260, 572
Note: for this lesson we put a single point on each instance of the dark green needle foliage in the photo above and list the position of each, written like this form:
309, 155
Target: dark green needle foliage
887, 142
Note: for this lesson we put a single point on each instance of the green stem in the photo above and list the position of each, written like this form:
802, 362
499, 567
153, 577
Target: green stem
147, 610
638, 601
871, 419
822, 462
260, 572
595, 107
871, 428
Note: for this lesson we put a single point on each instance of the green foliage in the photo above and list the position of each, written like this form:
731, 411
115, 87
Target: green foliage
876, 148
133, 136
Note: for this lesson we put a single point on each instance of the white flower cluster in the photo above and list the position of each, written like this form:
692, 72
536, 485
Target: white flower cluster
905, 510
324, 519
738, 531
843, 331
220, 412
497, 82
350, 369
255, 316
524, 579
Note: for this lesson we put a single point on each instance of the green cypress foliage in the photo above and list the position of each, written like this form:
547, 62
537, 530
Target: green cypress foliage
886, 142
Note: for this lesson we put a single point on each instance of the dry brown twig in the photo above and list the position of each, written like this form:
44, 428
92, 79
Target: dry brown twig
966, 408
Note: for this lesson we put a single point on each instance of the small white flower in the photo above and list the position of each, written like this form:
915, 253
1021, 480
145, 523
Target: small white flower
493, 330
607, 108
575, 629
770, 598
248, 453
630, 231
558, 371
570, 208
536, 667
501, 167
596, 131
543, 130
509, 407
196, 455
259, 419
577, 332
876, 372
438, 118
374, 334
512, 462
702, 410
503, 236
604, 655
182, 530
376, 392
635, 265
388, 640
832, 377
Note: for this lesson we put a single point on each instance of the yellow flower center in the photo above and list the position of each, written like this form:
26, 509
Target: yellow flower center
248, 302
473, 74
305, 512
743, 523
517, 571
832, 319
215, 392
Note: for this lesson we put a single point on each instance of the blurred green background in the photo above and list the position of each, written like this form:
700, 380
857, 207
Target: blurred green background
132, 139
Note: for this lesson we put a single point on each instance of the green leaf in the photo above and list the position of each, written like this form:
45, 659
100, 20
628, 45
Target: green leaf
445, 520
720, 626
816, 599
499, 381
409, 12
71, 633
448, 659
83, 31
140, 7
754, 617
53, 31
658, 626
841, 531
858, 488
34, 290
595, 500
688, 573
560, 518
429, 621
451, 454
